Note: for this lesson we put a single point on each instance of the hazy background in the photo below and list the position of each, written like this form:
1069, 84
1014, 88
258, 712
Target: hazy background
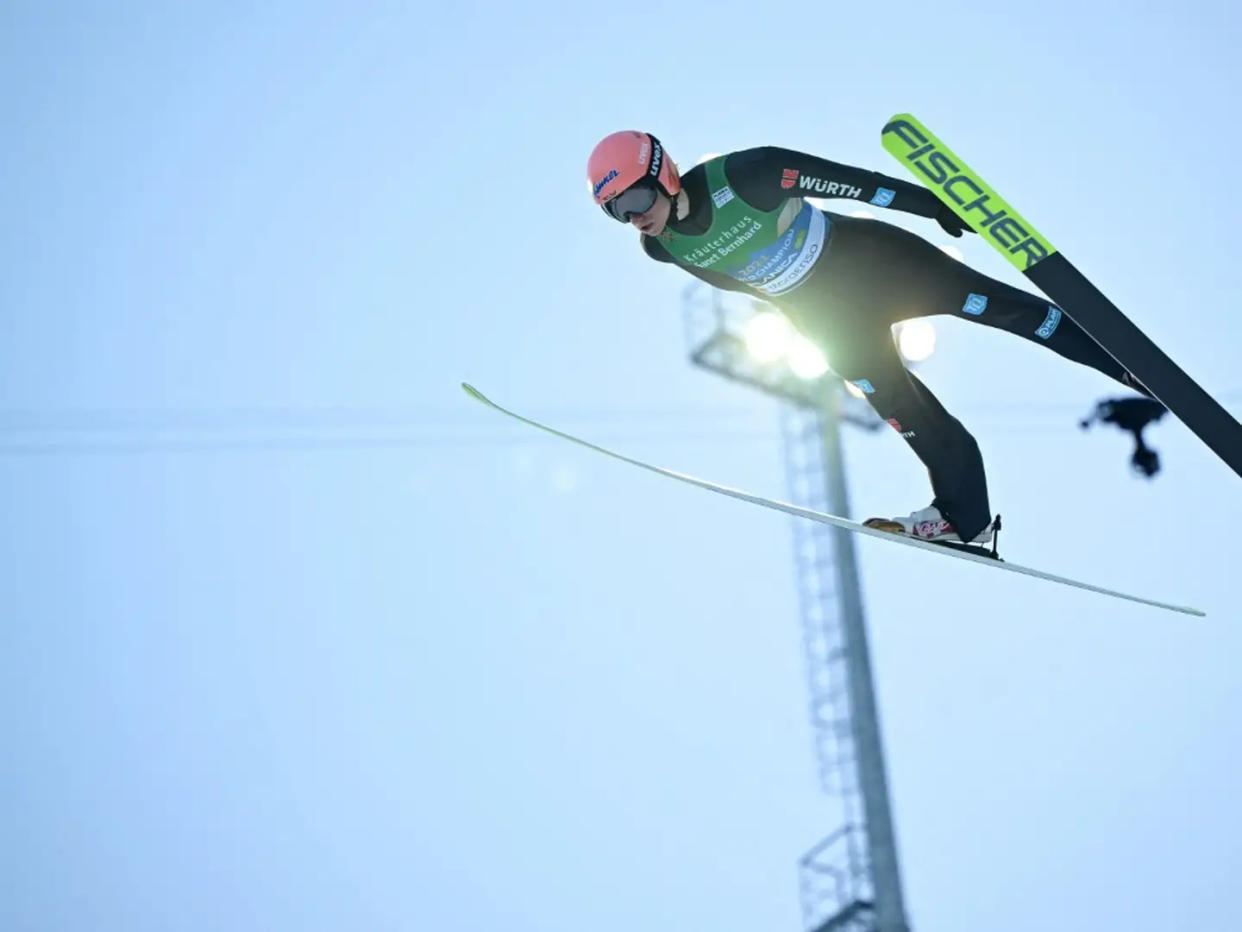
295, 636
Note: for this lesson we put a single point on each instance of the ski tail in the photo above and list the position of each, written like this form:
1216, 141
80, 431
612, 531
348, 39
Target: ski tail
966, 194
1015, 238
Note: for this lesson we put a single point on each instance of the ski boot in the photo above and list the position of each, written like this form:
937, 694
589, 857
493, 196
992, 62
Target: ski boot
931, 525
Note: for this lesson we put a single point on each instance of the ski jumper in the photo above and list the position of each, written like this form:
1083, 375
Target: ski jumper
843, 282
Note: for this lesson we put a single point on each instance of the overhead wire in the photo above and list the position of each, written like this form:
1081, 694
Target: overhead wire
31, 432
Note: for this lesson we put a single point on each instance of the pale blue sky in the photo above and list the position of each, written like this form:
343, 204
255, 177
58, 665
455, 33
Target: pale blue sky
297, 637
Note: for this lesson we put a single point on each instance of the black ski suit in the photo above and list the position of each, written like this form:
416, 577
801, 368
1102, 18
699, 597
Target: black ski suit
869, 276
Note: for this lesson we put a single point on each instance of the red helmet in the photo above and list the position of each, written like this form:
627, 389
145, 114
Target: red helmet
627, 159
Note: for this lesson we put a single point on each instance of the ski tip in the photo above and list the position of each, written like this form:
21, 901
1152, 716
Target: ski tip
901, 118
473, 392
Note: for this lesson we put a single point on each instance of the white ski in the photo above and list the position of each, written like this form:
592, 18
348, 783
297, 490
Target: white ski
849, 525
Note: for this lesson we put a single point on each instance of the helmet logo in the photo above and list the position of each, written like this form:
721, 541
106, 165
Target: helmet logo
642, 154
599, 185
656, 159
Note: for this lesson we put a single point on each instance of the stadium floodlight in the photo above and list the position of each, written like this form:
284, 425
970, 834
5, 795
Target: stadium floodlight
768, 336
806, 360
916, 339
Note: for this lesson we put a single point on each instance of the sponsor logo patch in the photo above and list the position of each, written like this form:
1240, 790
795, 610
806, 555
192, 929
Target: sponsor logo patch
722, 197
657, 159
865, 387
883, 197
830, 188
1049, 326
929, 529
796, 254
895, 425
975, 304
789, 177
603, 182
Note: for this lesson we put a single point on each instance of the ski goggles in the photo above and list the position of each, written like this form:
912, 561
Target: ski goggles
636, 199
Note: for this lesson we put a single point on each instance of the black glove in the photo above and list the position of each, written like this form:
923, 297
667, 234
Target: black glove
950, 222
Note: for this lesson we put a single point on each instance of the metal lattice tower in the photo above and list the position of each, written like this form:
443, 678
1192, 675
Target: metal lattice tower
849, 881
836, 873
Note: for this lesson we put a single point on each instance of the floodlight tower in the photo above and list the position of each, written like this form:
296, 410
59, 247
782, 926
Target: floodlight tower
850, 881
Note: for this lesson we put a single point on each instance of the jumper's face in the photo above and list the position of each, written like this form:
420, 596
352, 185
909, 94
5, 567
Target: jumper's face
655, 219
